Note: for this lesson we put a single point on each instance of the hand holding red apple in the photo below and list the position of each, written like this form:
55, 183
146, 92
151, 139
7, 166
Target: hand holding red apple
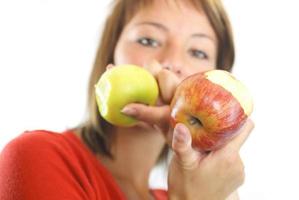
213, 105
220, 172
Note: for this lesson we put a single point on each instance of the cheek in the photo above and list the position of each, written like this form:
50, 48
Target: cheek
128, 54
197, 68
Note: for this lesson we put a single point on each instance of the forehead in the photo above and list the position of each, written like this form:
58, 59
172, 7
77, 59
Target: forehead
180, 15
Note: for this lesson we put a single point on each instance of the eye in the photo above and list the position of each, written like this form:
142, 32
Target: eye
148, 42
198, 54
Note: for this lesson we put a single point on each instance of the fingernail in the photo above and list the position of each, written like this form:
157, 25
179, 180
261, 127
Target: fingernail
179, 134
109, 66
129, 111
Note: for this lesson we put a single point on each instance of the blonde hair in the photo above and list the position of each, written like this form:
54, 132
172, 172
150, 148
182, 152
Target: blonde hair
94, 130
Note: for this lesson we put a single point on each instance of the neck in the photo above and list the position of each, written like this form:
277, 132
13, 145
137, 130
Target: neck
135, 152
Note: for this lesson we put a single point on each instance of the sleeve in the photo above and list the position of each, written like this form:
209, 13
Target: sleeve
34, 166
160, 194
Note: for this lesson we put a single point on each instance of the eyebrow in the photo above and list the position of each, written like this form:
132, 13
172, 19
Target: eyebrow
164, 28
202, 35
157, 25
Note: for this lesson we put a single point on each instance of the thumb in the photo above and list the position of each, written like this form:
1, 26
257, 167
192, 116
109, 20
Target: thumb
187, 157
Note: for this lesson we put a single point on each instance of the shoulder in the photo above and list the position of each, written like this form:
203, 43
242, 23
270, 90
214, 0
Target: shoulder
42, 148
33, 138
38, 156
32, 143
31, 150
48, 165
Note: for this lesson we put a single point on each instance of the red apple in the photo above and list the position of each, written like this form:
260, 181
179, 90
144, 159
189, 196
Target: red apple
213, 105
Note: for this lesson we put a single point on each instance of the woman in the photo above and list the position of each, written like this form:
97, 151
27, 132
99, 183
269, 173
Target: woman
173, 39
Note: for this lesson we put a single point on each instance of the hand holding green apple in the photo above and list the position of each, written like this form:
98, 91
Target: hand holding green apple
122, 85
213, 105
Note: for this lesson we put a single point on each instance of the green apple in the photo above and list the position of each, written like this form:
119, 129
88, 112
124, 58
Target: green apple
122, 85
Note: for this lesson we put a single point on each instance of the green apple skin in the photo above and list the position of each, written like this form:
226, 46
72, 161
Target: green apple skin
122, 85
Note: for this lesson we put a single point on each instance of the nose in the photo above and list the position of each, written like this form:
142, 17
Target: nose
171, 67
171, 58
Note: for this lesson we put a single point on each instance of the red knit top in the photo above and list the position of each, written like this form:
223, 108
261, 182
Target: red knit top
43, 165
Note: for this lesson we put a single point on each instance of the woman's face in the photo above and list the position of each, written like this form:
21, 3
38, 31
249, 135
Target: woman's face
173, 33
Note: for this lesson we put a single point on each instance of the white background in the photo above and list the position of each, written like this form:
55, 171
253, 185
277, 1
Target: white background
47, 50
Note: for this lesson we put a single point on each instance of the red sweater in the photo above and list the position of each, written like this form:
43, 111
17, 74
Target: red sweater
42, 165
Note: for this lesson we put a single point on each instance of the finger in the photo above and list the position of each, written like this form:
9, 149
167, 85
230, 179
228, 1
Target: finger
153, 67
168, 83
149, 114
241, 137
188, 158
109, 66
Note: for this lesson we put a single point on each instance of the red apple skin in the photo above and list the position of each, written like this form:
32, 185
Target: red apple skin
219, 112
